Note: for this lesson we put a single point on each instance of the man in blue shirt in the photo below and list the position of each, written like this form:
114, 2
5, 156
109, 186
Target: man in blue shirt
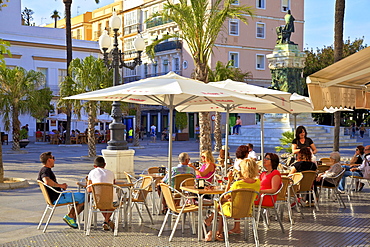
182, 168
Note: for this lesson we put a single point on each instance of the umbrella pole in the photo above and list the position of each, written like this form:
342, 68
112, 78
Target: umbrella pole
262, 135
226, 140
171, 108
295, 122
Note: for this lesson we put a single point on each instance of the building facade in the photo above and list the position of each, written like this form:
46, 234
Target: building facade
40, 49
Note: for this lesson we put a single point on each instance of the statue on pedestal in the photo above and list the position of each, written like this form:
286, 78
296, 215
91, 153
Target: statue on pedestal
284, 33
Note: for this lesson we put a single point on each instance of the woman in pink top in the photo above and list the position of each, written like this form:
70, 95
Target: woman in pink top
208, 168
270, 179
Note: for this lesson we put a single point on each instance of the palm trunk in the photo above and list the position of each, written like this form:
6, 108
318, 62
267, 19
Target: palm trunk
67, 4
16, 127
218, 136
55, 22
1, 163
201, 74
338, 54
138, 126
91, 136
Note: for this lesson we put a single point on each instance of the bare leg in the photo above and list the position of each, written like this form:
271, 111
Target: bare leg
79, 207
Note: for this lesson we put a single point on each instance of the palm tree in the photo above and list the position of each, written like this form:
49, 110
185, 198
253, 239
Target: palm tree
19, 94
4, 49
138, 125
338, 55
220, 73
27, 16
67, 7
55, 16
86, 75
200, 22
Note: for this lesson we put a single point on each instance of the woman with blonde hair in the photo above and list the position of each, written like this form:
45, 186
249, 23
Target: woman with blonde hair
208, 167
249, 180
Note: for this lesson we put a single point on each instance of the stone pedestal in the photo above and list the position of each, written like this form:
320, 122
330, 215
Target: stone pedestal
119, 161
286, 64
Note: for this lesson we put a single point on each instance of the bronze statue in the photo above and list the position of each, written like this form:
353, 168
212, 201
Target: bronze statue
284, 33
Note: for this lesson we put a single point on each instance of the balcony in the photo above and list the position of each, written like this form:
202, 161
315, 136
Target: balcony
169, 45
132, 29
157, 22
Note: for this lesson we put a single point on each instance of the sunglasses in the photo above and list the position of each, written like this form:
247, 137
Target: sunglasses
267, 158
53, 158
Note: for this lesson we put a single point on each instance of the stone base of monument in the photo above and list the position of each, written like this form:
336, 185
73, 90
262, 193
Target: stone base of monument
276, 124
119, 161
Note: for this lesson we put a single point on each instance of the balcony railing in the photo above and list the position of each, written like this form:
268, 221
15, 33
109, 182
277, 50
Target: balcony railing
132, 29
157, 22
169, 45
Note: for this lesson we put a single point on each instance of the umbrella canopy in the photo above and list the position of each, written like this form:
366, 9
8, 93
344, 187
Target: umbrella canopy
170, 90
342, 84
63, 117
104, 118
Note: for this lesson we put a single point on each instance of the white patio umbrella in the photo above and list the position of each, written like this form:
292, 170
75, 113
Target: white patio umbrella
104, 118
170, 90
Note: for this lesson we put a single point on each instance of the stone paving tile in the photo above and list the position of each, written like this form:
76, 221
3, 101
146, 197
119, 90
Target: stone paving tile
331, 226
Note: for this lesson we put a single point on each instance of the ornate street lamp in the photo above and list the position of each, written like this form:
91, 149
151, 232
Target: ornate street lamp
116, 128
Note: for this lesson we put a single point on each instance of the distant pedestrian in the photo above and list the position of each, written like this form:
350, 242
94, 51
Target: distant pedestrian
237, 126
153, 132
197, 133
362, 130
130, 135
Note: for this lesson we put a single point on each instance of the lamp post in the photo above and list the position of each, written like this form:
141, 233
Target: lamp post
116, 128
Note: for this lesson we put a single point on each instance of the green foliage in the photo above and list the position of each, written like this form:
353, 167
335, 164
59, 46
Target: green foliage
321, 58
2, 4
23, 134
181, 120
286, 142
227, 71
4, 49
200, 24
27, 16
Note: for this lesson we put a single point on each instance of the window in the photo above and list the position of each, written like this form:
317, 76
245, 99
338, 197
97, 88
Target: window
234, 27
165, 66
260, 63
44, 71
285, 5
61, 74
185, 64
261, 4
176, 64
234, 56
260, 30
155, 69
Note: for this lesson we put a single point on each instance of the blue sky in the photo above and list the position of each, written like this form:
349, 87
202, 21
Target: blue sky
319, 17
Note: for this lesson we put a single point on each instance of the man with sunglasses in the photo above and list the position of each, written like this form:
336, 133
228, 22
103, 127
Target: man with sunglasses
48, 177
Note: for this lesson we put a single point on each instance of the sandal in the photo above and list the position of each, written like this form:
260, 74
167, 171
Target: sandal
208, 237
219, 237
231, 232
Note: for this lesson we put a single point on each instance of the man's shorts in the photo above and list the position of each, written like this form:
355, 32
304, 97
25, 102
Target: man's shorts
67, 198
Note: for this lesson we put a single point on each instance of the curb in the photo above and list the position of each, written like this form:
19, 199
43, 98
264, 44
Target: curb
18, 183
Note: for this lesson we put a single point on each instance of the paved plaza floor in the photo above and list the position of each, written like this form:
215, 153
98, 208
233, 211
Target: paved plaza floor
21, 209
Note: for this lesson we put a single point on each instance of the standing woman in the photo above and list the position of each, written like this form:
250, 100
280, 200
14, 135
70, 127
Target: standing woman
302, 141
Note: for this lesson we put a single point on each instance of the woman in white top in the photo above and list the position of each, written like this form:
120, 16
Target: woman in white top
241, 153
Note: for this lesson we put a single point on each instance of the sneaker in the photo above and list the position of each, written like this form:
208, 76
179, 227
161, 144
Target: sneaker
111, 225
70, 221
105, 226
341, 191
361, 186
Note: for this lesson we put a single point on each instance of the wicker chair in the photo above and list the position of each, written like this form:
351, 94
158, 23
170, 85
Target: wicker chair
176, 210
101, 199
241, 206
52, 206
335, 181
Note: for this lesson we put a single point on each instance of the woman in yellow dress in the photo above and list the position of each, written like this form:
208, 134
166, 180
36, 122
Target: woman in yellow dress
249, 180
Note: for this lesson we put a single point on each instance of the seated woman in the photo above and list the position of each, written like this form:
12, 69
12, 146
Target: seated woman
304, 162
208, 167
270, 179
221, 156
241, 153
333, 171
249, 172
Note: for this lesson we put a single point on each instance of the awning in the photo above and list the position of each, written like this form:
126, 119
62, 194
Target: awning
342, 84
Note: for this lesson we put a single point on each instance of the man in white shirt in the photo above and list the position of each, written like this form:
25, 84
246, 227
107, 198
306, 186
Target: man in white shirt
101, 175
251, 154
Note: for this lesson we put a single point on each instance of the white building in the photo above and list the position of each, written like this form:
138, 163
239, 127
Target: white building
40, 49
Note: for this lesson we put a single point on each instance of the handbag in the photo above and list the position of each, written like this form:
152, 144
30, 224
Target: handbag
366, 170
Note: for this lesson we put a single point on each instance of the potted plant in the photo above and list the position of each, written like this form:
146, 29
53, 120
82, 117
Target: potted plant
23, 138
181, 121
